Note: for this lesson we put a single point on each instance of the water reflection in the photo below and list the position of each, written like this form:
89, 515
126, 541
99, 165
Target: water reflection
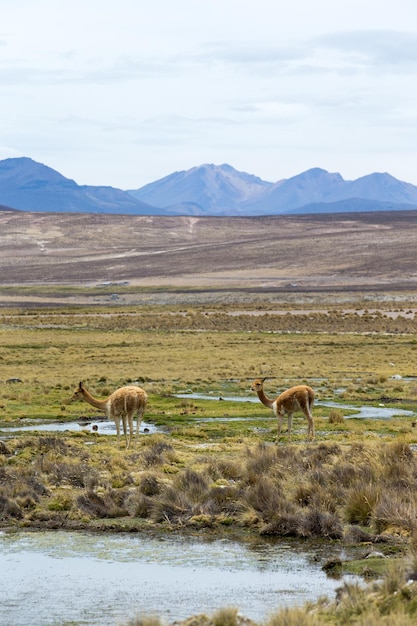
62, 577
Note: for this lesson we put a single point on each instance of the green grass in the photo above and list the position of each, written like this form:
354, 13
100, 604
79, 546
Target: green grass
51, 351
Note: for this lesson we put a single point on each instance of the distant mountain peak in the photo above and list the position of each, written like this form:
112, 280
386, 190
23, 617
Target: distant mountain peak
24, 169
218, 189
28, 185
317, 173
206, 189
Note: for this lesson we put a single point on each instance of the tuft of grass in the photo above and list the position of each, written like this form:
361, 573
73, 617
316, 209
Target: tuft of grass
293, 617
336, 416
149, 484
225, 617
260, 461
172, 506
139, 505
361, 502
60, 502
396, 512
105, 505
158, 453
145, 621
264, 495
315, 523
230, 469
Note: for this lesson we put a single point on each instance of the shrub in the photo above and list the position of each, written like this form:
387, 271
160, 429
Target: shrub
157, 454
139, 505
225, 468
315, 523
264, 496
361, 501
344, 474
149, 485
260, 461
171, 506
283, 524
101, 506
9, 508
394, 510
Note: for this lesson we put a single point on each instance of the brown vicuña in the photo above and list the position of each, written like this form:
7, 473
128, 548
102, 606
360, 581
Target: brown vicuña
122, 405
298, 398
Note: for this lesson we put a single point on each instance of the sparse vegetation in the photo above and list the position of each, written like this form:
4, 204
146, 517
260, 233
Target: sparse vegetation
214, 465
315, 491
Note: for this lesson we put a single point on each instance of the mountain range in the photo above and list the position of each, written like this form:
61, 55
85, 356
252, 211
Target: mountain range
206, 190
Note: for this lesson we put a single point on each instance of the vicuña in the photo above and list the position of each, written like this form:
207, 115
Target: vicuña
298, 398
121, 405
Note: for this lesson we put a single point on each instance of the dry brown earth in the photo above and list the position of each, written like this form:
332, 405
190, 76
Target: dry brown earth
280, 253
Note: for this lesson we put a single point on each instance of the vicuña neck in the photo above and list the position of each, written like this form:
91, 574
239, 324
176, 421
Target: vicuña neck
99, 404
264, 399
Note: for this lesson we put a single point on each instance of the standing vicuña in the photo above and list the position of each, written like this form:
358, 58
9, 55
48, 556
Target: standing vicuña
121, 405
299, 398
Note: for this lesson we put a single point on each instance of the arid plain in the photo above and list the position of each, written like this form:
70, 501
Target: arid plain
210, 258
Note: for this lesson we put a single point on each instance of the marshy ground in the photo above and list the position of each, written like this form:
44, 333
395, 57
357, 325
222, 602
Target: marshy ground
213, 467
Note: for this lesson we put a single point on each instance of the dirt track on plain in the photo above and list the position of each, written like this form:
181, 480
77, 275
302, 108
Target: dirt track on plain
280, 253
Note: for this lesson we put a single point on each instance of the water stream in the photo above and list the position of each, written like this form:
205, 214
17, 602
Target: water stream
105, 427
59, 577
98, 425
361, 412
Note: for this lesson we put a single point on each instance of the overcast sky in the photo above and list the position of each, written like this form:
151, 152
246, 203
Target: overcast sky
125, 92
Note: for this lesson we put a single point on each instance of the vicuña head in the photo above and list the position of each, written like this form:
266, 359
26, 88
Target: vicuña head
122, 405
298, 398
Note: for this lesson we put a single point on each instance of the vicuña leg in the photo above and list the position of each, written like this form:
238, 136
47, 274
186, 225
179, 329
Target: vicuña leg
305, 407
138, 422
130, 420
310, 420
289, 425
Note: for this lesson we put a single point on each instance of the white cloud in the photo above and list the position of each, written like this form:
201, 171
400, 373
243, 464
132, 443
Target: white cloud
125, 93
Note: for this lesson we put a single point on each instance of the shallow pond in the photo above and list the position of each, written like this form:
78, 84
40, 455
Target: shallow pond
54, 577
100, 426
105, 427
361, 412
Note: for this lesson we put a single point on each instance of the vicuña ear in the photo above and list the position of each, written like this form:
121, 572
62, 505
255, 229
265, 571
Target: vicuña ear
80, 386
264, 379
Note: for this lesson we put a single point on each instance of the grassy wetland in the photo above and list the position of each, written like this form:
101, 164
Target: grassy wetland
212, 467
